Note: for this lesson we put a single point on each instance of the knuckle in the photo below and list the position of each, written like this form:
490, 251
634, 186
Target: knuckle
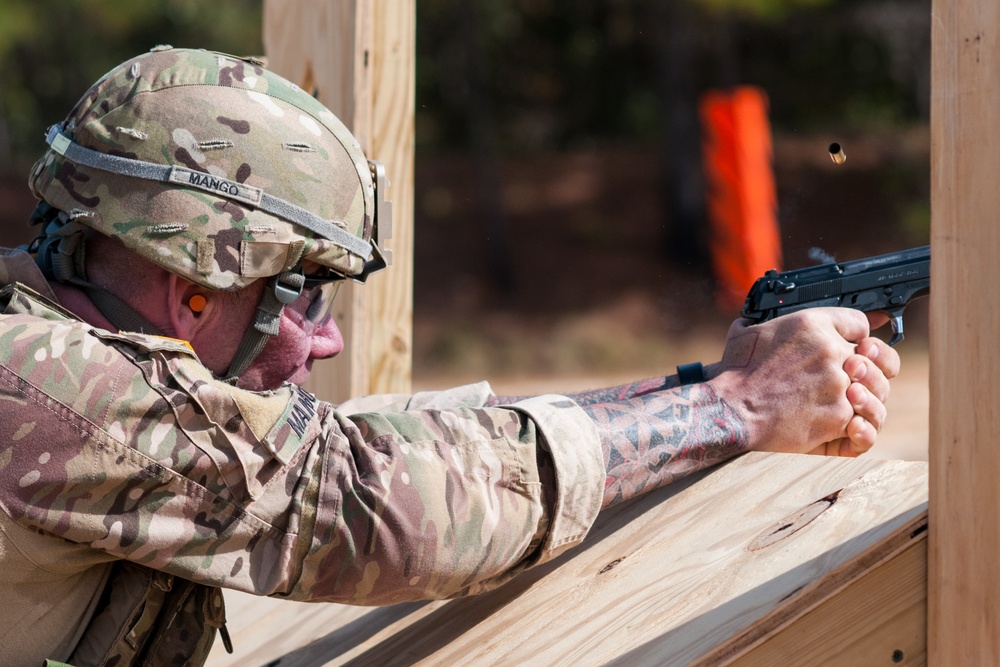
812, 319
861, 432
803, 321
857, 367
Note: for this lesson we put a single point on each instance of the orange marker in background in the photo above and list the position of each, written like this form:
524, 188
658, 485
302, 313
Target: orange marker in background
742, 198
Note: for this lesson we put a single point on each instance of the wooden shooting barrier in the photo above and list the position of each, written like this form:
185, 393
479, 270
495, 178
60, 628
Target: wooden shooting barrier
964, 607
770, 555
768, 559
358, 57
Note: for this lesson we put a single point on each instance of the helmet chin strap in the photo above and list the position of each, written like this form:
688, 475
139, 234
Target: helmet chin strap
281, 290
60, 255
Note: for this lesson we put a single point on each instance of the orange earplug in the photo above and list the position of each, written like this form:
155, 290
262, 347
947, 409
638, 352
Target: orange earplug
197, 303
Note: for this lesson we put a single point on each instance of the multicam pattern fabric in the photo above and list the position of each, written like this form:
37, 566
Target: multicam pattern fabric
232, 130
128, 444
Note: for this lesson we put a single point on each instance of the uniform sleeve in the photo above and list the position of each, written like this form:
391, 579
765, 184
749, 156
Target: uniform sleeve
469, 396
142, 455
445, 502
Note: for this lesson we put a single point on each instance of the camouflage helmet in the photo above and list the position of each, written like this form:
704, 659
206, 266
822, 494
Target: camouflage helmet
216, 169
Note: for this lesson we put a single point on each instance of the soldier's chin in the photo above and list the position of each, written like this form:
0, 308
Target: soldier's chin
270, 376
302, 373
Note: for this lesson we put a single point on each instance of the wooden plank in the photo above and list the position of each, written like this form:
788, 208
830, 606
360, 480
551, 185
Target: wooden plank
393, 108
964, 580
822, 592
320, 46
359, 57
663, 580
879, 619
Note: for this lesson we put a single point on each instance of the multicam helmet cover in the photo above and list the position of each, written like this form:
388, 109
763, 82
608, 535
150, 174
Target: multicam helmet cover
215, 169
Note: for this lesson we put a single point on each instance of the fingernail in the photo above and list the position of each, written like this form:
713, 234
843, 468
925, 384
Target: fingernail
873, 352
860, 403
860, 373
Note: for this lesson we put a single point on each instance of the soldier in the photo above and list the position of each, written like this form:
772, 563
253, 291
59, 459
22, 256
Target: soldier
196, 215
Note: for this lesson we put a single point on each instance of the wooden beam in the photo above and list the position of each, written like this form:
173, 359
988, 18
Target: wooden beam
358, 56
392, 142
964, 579
701, 572
880, 619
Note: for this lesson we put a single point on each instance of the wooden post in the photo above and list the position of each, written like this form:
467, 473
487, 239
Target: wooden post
358, 56
964, 579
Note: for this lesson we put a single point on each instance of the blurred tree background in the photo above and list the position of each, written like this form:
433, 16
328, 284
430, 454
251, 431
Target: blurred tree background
559, 158
558, 151
558, 74
52, 50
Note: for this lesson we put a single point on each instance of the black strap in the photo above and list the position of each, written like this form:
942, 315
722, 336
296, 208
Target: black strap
60, 255
691, 373
281, 290
116, 311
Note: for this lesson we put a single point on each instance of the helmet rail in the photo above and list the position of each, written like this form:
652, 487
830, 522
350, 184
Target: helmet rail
217, 185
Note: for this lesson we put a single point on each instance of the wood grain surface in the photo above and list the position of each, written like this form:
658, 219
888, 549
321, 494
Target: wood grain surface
668, 579
358, 56
964, 580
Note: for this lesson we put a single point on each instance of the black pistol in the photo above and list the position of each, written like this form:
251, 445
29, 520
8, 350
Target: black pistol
884, 283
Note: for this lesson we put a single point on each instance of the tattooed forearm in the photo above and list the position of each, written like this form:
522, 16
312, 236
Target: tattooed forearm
625, 391
609, 394
655, 431
652, 439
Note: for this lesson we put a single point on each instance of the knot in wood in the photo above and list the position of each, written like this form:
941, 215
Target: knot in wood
793, 523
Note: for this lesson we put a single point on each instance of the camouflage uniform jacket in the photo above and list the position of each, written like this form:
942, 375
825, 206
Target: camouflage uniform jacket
127, 444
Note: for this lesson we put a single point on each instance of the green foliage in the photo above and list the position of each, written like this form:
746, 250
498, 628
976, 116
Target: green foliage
763, 9
52, 50
553, 74
521, 75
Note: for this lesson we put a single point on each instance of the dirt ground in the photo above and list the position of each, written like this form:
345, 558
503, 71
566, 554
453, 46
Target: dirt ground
562, 277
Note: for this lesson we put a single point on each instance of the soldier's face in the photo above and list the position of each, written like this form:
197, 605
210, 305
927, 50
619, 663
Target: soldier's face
288, 357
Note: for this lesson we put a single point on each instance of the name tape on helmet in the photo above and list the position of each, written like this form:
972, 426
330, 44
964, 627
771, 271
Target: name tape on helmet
216, 185
333, 230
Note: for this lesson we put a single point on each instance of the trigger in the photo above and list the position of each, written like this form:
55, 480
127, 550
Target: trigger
896, 320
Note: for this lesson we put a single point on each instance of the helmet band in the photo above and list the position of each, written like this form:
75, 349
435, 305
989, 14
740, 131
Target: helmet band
221, 187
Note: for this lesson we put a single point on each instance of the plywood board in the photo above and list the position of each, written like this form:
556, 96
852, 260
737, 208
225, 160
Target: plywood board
964, 580
358, 56
878, 619
663, 580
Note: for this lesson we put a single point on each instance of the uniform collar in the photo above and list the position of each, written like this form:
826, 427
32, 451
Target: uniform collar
16, 265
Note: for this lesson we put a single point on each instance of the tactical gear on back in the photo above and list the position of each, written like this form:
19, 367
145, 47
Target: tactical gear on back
218, 171
152, 619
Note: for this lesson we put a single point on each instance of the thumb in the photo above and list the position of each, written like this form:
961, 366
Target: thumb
851, 324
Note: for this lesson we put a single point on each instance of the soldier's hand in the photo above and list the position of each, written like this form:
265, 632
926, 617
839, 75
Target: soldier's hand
812, 381
870, 369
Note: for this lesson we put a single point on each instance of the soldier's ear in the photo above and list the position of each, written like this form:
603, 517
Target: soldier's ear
191, 307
